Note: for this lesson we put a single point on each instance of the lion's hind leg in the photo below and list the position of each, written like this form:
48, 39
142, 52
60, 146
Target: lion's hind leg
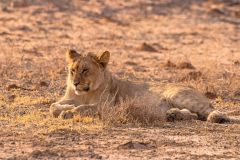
176, 114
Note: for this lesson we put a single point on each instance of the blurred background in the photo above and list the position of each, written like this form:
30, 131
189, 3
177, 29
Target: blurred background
147, 39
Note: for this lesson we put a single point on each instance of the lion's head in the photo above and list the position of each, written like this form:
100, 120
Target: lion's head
86, 71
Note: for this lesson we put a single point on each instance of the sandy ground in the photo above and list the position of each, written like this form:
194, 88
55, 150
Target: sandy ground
151, 41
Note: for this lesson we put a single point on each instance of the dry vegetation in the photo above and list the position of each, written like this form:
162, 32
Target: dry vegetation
192, 42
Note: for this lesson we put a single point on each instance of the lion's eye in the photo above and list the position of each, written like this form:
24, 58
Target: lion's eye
84, 71
72, 71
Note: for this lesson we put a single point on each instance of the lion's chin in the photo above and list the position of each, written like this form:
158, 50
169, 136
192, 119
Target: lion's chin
80, 93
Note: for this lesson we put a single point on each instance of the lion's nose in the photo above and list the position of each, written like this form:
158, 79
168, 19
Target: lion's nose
76, 83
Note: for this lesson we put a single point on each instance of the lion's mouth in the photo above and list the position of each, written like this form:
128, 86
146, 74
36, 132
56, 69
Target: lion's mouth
81, 90
86, 88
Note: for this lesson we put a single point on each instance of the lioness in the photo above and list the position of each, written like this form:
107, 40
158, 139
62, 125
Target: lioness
89, 82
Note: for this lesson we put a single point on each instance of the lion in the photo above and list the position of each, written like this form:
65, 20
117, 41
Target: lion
89, 83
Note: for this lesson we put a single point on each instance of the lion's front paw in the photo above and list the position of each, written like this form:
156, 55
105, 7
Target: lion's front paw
66, 114
55, 109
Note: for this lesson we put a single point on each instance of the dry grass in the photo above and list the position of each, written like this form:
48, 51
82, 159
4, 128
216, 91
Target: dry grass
141, 111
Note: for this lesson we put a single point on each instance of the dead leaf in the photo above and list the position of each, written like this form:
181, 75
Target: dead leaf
43, 84
210, 95
11, 98
148, 47
169, 64
237, 63
14, 86
44, 153
185, 65
136, 145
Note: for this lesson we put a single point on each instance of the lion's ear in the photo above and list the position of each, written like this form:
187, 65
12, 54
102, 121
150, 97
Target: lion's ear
104, 58
71, 55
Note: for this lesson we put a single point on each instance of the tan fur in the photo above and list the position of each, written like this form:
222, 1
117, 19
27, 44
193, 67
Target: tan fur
94, 84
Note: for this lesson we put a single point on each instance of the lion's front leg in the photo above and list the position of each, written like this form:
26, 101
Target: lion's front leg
61, 106
84, 109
